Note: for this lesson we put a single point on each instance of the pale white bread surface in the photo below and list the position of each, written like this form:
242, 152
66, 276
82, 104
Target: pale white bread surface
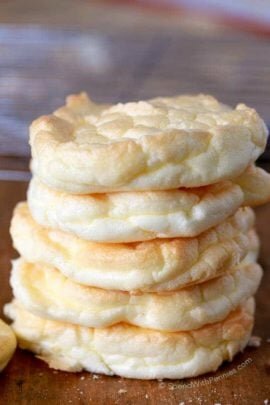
255, 184
138, 216
159, 144
133, 352
157, 265
7, 344
45, 292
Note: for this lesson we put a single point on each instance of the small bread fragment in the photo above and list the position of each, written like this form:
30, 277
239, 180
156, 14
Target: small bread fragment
7, 344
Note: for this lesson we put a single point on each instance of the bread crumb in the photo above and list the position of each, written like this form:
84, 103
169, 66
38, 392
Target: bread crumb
146, 396
181, 403
95, 377
122, 391
82, 377
266, 402
255, 341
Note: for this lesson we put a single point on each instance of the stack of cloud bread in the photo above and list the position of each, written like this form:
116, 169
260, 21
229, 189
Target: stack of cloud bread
137, 242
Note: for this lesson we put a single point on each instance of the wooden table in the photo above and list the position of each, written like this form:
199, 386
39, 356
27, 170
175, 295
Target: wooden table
28, 381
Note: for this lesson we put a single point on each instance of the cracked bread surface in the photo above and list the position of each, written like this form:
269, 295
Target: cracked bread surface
158, 144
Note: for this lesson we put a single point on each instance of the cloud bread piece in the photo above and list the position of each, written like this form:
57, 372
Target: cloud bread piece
138, 216
7, 344
159, 144
45, 292
158, 265
133, 352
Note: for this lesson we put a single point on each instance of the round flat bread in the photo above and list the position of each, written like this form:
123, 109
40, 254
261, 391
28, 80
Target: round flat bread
7, 344
44, 291
158, 265
133, 352
159, 144
133, 216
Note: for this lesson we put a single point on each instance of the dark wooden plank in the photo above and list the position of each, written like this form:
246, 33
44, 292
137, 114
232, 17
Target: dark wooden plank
28, 381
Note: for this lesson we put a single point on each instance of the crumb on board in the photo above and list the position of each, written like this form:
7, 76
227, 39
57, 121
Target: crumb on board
122, 391
95, 377
255, 341
266, 401
82, 377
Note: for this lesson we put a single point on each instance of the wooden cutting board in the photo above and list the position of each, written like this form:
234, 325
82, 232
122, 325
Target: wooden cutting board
29, 381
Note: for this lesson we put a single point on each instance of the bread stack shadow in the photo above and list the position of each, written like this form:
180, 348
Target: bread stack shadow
138, 249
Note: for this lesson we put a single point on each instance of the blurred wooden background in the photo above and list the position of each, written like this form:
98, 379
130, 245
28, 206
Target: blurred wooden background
49, 49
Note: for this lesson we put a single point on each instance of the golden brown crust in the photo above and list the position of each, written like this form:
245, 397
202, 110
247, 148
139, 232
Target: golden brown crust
44, 291
130, 351
157, 265
7, 344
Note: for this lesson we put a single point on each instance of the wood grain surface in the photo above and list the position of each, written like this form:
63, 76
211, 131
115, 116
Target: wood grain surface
118, 54
28, 381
